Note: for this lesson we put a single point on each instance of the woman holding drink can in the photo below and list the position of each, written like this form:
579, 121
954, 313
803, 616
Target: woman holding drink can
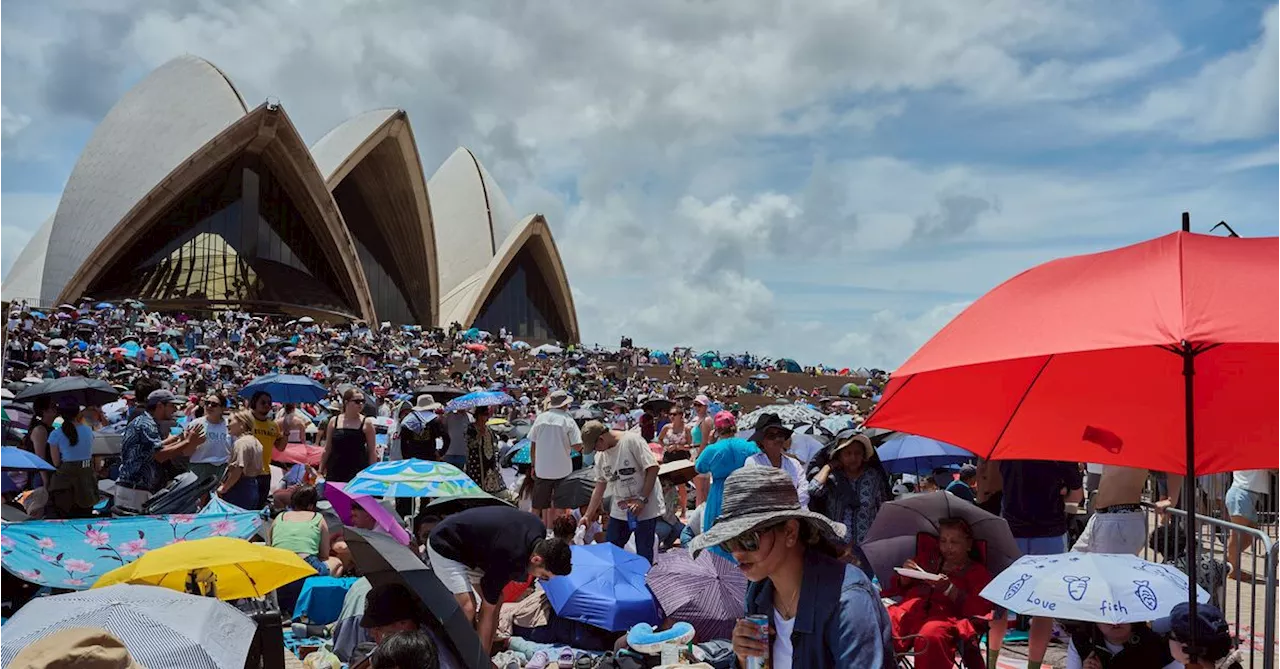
805, 607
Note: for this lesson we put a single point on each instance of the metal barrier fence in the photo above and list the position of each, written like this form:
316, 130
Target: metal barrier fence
1240, 601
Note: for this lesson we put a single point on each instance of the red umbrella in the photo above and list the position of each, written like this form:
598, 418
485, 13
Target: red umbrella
1115, 358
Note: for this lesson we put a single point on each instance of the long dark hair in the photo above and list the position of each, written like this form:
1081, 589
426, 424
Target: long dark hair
69, 415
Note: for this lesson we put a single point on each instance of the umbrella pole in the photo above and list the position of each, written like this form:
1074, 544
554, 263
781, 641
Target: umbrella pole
1189, 485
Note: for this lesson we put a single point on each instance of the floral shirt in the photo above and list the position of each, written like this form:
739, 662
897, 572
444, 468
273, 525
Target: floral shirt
854, 503
138, 444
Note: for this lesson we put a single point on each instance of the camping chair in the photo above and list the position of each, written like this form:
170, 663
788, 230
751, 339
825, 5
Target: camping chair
969, 653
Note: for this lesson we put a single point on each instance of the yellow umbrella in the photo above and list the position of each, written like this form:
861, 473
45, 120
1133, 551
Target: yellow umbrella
237, 567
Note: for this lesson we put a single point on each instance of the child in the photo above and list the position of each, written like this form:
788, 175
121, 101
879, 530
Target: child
1104, 646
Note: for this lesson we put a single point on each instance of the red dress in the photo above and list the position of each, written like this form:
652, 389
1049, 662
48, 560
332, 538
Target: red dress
934, 622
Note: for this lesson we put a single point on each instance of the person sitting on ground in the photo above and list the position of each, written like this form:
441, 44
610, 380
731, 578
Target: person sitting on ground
1123, 646
564, 528
391, 610
303, 530
825, 613
1215, 648
934, 615
500, 543
406, 650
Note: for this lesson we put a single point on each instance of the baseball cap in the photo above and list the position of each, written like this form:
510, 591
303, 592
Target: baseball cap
703, 400
161, 396
725, 419
1211, 631
591, 432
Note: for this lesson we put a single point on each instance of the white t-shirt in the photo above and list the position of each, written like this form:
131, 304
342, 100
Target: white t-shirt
554, 432
217, 443
780, 657
623, 468
1256, 480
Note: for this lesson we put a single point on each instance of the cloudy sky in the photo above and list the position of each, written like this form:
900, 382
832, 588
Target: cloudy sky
827, 180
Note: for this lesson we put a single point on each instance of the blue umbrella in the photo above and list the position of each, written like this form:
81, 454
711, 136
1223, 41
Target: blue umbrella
484, 398
12, 457
606, 588
523, 454
87, 321
909, 453
104, 305
286, 388
411, 478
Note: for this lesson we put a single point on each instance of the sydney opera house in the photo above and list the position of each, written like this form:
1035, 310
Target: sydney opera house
186, 198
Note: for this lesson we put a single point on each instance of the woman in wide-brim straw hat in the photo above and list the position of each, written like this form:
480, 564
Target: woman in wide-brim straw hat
822, 612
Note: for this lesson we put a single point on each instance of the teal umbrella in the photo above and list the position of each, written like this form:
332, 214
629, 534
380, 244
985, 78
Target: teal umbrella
411, 478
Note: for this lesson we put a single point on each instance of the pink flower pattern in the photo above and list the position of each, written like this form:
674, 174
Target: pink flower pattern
182, 519
133, 548
72, 565
29, 574
45, 543
97, 538
221, 528
73, 581
6, 541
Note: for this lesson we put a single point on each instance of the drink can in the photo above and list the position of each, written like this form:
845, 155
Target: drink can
762, 624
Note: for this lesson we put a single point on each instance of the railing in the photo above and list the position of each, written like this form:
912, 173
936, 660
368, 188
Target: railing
1238, 600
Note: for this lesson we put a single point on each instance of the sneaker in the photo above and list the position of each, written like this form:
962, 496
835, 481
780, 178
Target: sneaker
585, 661
644, 639
540, 660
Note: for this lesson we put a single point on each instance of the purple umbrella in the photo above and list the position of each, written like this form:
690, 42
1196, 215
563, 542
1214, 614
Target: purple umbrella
708, 593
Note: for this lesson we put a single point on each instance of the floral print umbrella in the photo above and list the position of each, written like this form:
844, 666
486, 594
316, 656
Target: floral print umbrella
75, 553
411, 478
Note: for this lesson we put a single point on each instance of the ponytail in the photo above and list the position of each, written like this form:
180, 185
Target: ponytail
69, 426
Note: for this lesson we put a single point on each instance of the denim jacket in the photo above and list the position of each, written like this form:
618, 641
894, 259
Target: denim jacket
834, 627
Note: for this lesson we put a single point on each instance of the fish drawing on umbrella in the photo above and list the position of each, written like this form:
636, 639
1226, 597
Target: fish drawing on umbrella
1146, 595
1016, 586
1076, 586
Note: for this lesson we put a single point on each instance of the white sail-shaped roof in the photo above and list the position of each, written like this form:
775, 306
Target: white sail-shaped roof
154, 127
24, 277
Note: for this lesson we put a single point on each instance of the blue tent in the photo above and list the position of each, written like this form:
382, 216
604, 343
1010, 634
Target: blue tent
789, 365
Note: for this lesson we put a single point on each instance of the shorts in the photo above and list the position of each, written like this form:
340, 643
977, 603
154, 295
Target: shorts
1244, 503
457, 577
321, 567
1123, 532
543, 491
677, 455
1043, 545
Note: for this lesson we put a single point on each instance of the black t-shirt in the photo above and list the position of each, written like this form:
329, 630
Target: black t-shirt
1032, 501
496, 540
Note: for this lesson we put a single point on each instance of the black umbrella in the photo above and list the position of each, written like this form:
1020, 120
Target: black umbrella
587, 413
574, 491
657, 404
383, 560
89, 392
442, 394
445, 506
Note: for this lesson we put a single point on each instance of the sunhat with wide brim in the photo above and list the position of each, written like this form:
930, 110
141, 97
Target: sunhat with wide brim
853, 436
755, 496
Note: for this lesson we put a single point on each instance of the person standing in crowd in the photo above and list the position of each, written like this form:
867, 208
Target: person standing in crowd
718, 460
482, 454
141, 448
677, 444
1243, 499
628, 471
37, 437
456, 423
774, 439
74, 488
552, 439
990, 488
823, 613
701, 435
244, 464
351, 445
484, 549
422, 431
268, 433
962, 487
210, 458
292, 425
1033, 503
1119, 521
851, 487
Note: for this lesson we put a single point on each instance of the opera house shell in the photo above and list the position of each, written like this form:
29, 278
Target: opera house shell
185, 198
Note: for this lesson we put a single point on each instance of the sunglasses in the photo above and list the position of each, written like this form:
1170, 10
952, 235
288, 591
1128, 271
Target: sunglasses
356, 400
212, 403
748, 542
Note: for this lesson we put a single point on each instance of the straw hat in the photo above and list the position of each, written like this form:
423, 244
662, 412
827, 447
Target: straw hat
755, 496
850, 436
76, 648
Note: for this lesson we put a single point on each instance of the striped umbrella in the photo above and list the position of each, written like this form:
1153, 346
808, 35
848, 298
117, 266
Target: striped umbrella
159, 627
792, 415
708, 592
484, 398
411, 478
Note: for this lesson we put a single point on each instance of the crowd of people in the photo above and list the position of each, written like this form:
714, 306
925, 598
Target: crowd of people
673, 463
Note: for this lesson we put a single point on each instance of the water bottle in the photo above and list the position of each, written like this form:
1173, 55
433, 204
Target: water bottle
631, 520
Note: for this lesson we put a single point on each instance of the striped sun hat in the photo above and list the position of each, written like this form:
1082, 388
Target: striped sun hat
755, 496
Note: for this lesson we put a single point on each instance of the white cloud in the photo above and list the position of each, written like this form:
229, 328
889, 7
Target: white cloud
12, 123
888, 338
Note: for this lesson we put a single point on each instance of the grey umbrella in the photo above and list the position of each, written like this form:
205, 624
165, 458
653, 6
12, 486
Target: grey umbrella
892, 537
88, 392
